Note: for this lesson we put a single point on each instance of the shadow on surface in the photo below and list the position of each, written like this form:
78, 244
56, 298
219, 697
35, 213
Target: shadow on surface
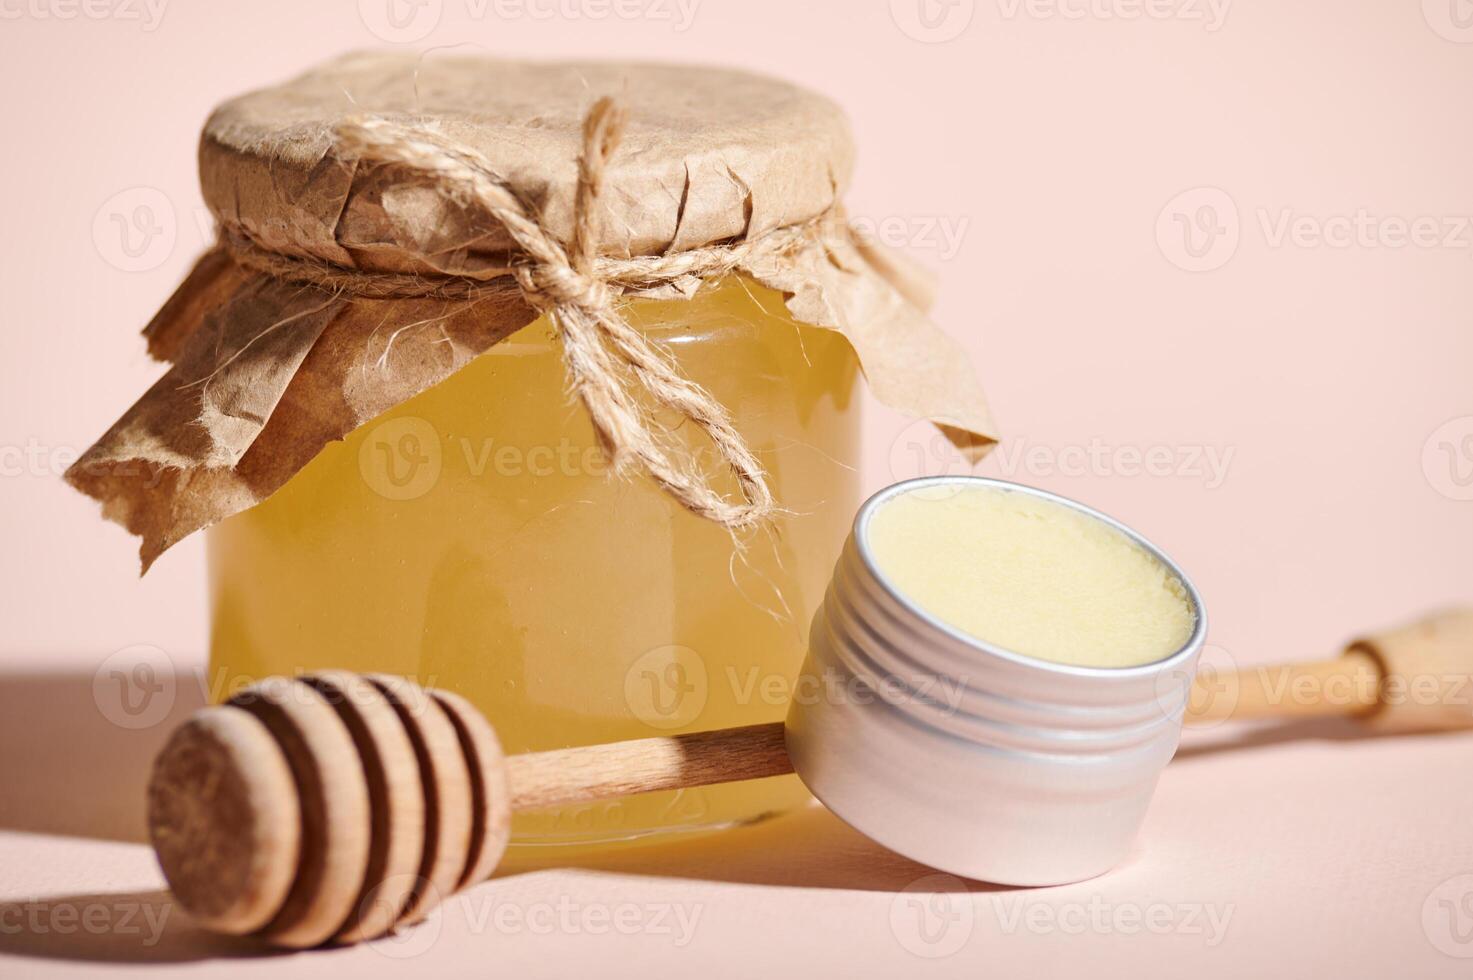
78, 748
1266, 735
808, 848
124, 927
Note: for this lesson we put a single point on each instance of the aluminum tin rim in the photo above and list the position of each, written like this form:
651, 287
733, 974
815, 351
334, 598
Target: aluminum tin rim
861, 542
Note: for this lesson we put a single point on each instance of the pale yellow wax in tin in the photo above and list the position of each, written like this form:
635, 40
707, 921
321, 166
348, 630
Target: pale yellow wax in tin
1030, 576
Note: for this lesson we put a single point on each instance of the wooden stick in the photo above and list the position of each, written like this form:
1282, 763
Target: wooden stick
1345, 686
1418, 677
596, 772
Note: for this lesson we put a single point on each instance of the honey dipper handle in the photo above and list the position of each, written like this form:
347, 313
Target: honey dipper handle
1426, 673
596, 772
1417, 677
1324, 688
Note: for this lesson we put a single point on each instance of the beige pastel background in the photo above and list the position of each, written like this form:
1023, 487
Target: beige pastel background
1214, 261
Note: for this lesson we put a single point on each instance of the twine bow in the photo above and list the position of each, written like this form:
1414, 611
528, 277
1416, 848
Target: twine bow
579, 291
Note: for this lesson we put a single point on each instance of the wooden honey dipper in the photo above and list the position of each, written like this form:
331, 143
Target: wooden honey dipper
337, 806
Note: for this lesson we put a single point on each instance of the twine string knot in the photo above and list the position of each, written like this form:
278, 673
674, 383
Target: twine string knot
620, 375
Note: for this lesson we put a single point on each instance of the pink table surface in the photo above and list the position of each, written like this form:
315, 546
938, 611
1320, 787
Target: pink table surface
1049, 160
1282, 851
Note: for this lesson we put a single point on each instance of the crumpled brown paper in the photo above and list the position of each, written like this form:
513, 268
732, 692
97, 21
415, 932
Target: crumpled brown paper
266, 372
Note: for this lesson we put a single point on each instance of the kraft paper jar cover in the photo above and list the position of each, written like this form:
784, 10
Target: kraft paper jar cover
265, 371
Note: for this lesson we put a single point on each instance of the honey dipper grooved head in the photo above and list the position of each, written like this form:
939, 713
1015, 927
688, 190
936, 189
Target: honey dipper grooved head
327, 809
447, 793
490, 794
396, 802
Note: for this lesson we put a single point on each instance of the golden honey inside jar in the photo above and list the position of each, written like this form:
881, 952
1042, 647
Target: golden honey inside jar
472, 538
448, 293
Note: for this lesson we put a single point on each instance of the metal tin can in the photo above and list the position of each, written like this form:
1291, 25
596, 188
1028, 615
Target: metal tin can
968, 757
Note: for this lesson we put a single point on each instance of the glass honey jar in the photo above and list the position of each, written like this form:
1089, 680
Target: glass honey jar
534, 382
472, 538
